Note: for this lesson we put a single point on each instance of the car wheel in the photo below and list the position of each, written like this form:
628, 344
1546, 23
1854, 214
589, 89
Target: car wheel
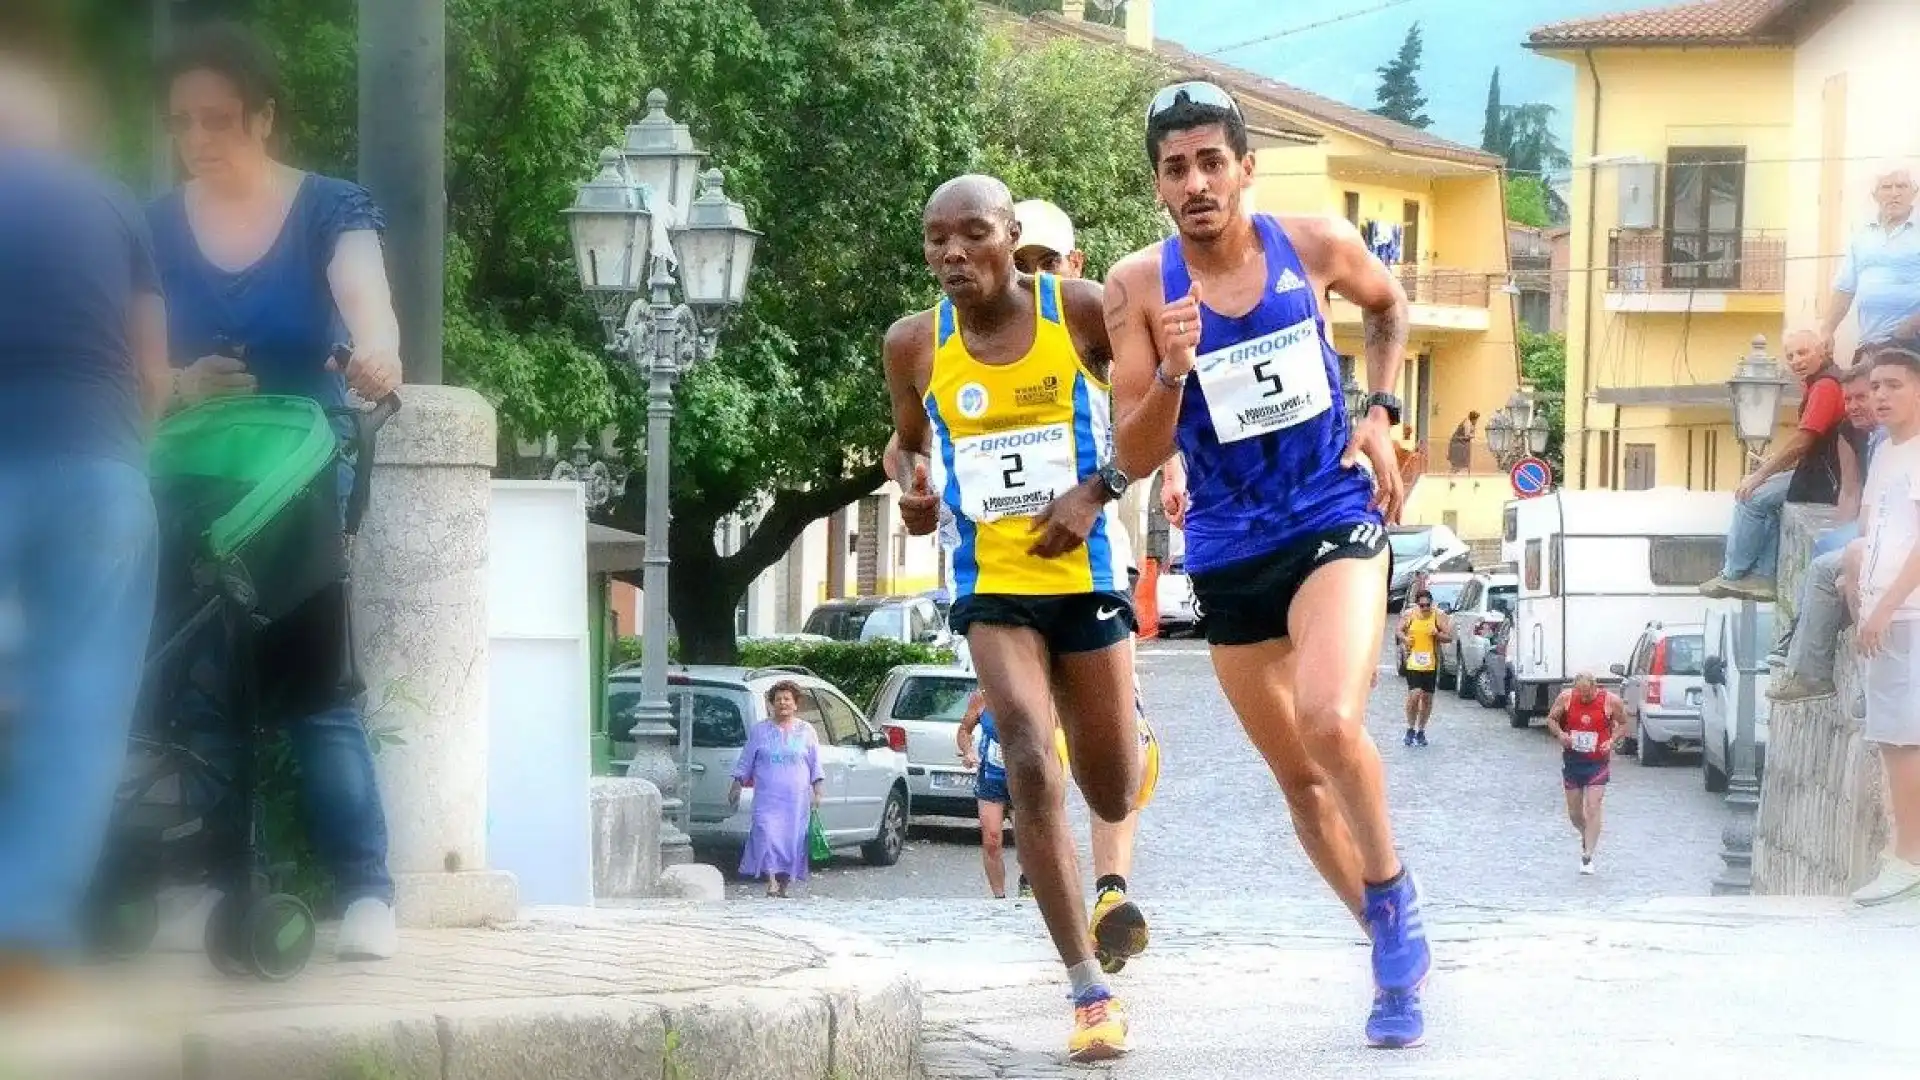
1484, 691
1714, 778
1515, 715
885, 848
1464, 684
1652, 754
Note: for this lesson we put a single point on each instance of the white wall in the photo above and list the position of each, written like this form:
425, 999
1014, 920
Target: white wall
1875, 46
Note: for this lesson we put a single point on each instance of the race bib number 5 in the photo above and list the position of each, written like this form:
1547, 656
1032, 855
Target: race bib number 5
1586, 742
1013, 473
1266, 385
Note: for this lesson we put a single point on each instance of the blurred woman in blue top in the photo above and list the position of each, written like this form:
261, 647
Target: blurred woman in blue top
82, 366
267, 269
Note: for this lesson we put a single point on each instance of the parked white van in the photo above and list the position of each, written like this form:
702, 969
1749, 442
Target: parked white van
1720, 709
1595, 567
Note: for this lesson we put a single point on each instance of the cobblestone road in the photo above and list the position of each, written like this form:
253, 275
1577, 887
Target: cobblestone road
1479, 812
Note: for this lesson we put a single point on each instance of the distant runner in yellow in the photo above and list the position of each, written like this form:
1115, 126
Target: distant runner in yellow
1423, 629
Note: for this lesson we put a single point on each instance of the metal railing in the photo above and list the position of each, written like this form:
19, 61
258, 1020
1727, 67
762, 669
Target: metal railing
1724, 260
1458, 288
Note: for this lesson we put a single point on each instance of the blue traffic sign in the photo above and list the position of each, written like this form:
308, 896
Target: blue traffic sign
1531, 477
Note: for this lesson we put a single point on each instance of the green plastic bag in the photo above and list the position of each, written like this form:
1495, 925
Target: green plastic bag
817, 848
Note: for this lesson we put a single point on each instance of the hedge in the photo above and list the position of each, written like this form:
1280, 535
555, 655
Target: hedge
857, 668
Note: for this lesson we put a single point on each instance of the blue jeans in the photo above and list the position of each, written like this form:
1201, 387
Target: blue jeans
1753, 543
78, 551
1836, 539
339, 795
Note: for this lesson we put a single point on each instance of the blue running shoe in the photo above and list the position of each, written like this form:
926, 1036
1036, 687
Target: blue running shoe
1409, 739
1401, 957
1396, 1021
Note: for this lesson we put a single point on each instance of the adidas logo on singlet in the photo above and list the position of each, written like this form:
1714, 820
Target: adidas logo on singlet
1288, 281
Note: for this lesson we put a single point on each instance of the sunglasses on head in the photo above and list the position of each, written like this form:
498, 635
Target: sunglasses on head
1192, 93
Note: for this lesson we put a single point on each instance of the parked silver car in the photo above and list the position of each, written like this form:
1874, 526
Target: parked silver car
906, 619
1661, 687
865, 804
1484, 603
924, 702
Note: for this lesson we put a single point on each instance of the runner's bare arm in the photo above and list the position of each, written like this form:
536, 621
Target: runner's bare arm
1442, 627
1145, 408
1340, 263
1557, 713
1620, 725
907, 353
963, 735
1087, 317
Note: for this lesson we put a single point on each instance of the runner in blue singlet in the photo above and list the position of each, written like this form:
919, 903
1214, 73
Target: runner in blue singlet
1221, 351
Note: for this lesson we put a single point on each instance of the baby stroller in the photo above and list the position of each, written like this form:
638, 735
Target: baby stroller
252, 549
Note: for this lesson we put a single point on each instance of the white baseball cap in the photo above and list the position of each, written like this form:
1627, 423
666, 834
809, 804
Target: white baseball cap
1044, 225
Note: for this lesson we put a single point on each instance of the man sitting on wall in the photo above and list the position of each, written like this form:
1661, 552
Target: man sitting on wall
1803, 468
1807, 648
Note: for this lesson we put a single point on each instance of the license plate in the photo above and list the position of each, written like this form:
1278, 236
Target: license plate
953, 781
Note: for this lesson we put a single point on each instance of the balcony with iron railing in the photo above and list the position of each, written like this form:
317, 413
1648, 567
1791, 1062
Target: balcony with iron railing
1716, 260
1454, 288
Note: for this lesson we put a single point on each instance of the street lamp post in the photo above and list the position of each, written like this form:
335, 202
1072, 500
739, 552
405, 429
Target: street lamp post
1756, 389
632, 225
1518, 430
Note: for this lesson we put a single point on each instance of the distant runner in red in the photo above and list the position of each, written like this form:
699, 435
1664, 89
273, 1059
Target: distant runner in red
1590, 723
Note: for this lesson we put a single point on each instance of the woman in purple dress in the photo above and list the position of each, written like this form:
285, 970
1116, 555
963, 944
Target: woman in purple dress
782, 763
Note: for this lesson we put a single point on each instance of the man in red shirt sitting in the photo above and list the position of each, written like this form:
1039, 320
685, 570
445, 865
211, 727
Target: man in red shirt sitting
1803, 468
1590, 724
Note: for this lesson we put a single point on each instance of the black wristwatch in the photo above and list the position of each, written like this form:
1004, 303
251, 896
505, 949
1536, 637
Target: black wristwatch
1115, 481
1380, 399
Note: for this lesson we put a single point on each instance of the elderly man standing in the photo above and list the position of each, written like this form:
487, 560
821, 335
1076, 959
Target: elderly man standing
1880, 277
82, 368
1804, 468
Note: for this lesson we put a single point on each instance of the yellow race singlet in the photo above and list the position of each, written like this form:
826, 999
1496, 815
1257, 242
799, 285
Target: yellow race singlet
1008, 439
1423, 632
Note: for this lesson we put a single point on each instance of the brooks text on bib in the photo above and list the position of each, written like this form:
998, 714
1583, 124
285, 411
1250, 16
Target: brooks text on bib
1265, 385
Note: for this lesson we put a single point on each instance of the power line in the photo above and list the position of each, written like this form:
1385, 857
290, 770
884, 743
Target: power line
1278, 34
1596, 166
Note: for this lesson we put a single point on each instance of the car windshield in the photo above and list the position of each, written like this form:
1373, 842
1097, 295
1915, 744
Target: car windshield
1446, 592
1411, 545
858, 623
1686, 654
933, 697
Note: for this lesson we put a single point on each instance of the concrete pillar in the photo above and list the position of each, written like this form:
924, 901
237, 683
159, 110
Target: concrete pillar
420, 573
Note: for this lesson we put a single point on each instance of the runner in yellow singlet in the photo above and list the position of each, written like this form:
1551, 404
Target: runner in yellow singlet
1423, 628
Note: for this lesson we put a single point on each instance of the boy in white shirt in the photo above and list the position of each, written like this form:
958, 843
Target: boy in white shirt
1888, 582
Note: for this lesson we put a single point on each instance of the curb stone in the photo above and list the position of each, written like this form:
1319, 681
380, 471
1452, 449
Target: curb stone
855, 1015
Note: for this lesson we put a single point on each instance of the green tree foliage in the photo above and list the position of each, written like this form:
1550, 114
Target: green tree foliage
1527, 201
1531, 144
1062, 122
1493, 134
1399, 93
1543, 364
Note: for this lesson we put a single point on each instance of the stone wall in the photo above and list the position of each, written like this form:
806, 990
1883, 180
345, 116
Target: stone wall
1822, 823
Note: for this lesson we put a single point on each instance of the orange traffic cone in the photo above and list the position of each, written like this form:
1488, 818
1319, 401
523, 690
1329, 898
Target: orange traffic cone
1146, 601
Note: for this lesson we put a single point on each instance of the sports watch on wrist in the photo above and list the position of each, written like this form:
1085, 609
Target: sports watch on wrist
1115, 481
1380, 399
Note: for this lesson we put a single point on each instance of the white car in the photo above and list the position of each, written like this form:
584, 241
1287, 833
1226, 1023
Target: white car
1173, 589
1720, 705
1662, 688
1484, 603
924, 703
865, 804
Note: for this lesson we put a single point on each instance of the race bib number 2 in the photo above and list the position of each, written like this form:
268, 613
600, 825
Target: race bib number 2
1266, 385
1013, 473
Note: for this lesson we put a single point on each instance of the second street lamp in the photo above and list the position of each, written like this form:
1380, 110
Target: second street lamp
1755, 392
632, 225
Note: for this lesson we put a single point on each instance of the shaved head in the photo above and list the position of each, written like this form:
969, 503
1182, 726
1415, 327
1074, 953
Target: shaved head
1806, 353
974, 195
969, 234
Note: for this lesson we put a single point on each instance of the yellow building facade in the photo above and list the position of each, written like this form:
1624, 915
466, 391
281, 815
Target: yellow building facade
1719, 168
1319, 156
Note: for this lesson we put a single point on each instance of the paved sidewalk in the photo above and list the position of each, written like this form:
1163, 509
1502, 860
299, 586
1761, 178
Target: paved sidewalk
676, 993
1762, 989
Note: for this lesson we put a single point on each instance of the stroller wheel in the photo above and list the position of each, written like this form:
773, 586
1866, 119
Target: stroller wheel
123, 928
279, 934
226, 936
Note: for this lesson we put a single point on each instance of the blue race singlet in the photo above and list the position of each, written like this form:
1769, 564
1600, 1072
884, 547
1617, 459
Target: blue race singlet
1263, 423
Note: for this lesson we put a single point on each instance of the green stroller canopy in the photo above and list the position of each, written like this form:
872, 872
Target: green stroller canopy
267, 450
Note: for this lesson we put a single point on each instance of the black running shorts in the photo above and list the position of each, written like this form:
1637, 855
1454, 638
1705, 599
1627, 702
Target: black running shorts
1423, 680
1247, 602
1073, 623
